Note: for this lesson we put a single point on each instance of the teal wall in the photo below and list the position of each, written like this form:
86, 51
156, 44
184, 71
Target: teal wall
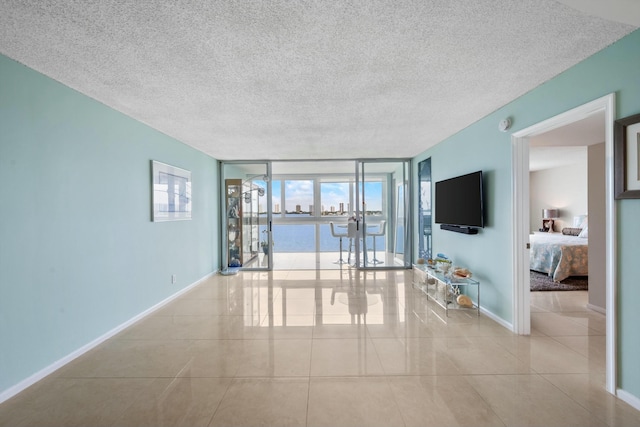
78, 252
487, 254
79, 255
481, 146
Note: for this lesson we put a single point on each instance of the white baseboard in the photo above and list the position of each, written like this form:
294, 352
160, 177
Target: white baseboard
496, 319
628, 398
27, 382
597, 309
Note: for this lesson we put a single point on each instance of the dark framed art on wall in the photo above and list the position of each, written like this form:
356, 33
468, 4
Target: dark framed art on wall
626, 156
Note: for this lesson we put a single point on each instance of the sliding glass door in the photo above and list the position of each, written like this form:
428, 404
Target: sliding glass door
315, 215
383, 226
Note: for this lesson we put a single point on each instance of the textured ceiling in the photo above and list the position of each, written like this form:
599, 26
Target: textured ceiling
304, 79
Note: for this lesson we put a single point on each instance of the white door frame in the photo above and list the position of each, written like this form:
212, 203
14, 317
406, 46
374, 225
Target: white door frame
520, 222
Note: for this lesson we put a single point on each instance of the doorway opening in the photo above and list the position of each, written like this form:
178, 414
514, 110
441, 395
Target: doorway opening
522, 225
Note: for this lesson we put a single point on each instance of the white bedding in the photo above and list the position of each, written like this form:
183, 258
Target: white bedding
558, 255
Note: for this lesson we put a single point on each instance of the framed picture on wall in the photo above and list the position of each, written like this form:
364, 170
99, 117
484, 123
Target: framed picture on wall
626, 154
171, 193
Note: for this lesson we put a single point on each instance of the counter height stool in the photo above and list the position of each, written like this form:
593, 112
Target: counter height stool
353, 233
381, 231
339, 236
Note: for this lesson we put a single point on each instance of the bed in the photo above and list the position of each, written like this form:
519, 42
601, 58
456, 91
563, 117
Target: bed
559, 255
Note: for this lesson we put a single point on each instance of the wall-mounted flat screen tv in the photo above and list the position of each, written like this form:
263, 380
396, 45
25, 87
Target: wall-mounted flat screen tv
459, 201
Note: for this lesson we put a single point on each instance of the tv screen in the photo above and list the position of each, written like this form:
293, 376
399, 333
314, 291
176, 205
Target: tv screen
459, 201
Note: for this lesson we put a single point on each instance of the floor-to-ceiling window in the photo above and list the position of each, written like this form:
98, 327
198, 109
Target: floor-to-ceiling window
381, 205
293, 216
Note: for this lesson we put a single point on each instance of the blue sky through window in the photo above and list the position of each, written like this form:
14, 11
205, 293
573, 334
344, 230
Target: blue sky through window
373, 195
332, 194
300, 193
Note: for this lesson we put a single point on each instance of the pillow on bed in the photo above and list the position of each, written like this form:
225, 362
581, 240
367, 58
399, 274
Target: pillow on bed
585, 232
570, 231
580, 221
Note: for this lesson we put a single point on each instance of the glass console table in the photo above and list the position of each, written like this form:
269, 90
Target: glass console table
445, 288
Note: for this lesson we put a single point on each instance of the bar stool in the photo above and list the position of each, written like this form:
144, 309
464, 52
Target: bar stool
352, 233
381, 231
339, 236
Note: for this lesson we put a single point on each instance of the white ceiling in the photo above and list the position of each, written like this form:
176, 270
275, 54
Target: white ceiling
316, 167
554, 157
566, 145
308, 80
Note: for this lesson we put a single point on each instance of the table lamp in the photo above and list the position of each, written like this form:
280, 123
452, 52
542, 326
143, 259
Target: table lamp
548, 217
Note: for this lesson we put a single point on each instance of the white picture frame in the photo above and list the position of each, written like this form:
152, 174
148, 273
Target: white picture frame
170, 192
633, 157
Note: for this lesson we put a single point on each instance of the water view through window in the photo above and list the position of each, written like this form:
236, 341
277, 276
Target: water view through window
301, 217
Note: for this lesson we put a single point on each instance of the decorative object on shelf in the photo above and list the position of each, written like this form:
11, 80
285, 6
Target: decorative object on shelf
548, 218
626, 151
443, 263
171, 192
420, 261
247, 194
445, 289
442, 258
243, 220
462, 272
233, 210
445, 266
464, 301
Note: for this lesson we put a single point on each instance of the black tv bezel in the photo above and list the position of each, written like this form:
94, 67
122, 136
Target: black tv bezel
462, 228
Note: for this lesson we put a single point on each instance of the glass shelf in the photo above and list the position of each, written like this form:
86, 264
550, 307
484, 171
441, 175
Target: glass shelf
445, 288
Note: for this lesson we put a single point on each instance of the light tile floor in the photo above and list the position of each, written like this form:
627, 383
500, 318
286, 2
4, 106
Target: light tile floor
332, 348
324, 260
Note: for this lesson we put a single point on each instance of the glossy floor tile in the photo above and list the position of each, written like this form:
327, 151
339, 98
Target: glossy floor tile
323, 260
332, 348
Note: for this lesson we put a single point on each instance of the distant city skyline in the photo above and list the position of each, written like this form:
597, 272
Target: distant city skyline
334, 197
300, 192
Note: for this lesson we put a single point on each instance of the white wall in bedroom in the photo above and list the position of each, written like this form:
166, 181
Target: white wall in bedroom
563, 188
597, 228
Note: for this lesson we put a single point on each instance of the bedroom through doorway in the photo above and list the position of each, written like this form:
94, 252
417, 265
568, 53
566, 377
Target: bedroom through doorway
567, 193
604, 108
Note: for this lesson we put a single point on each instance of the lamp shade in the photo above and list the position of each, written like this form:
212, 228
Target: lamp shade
550, 213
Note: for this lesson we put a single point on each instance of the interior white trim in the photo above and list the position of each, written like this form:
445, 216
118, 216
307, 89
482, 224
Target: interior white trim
597, 309
520, 222
499, 320
629, 398
520, 238
27, 382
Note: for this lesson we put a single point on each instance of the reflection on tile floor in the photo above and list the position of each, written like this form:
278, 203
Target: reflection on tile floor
332, 348
323, 260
